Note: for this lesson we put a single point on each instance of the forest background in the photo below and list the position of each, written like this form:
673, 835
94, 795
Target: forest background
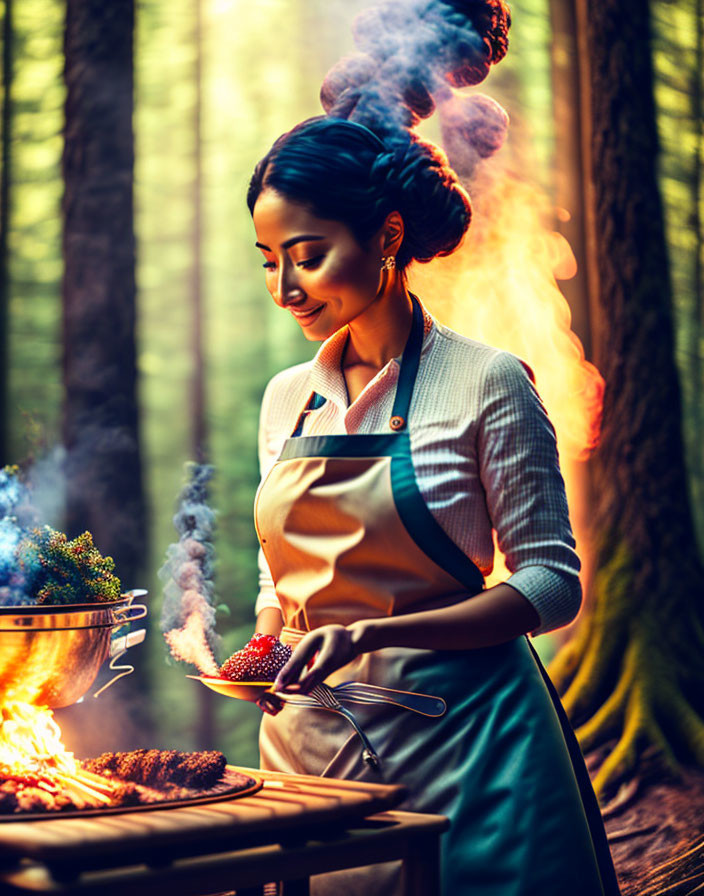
215, 81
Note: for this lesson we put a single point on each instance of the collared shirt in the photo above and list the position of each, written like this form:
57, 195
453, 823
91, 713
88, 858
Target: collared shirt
483, 449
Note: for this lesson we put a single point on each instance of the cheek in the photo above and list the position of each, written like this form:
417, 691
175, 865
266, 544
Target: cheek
270, 282
357, 273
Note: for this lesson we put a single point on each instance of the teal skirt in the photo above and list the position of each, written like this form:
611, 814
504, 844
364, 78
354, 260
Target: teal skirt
497, 764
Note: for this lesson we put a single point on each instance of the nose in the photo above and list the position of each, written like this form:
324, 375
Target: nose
287, 289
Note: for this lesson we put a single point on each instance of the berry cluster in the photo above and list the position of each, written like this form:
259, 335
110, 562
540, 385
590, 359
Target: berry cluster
259, 660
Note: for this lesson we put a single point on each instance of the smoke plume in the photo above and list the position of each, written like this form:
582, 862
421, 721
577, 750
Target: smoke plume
188, 611
28, 499
413, 54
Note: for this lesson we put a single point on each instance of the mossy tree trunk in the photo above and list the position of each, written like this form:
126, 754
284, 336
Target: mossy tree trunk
634, 671
101, 426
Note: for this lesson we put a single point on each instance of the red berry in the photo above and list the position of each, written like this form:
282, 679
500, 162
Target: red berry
259, 660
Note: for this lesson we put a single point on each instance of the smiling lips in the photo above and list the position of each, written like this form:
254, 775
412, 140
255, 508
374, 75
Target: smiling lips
306, 315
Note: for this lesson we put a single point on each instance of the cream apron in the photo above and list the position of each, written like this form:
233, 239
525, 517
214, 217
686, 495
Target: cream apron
347, 536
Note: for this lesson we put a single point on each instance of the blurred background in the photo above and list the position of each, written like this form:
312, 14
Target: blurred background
214, 83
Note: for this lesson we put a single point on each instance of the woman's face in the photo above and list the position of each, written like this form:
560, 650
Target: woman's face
313, 266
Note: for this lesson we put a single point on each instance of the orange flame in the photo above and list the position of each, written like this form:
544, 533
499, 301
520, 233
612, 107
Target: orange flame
38, 771
189, 644
500, 288
30, 742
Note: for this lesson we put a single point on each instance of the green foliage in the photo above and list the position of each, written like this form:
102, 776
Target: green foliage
60, 571
34, 227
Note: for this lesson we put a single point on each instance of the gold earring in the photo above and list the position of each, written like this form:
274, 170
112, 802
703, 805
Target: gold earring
388, 262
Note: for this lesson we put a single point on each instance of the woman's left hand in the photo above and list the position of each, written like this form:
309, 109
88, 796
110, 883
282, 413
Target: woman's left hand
326, 649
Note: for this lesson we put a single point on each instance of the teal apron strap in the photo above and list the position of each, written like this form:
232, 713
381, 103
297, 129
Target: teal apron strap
410, 361
314, 402
422, 526
591, 806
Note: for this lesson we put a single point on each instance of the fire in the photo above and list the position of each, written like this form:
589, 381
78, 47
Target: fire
33, 756
500, 288
30, 741
190, 644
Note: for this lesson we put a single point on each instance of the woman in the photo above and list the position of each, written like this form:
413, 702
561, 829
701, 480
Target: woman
386, 463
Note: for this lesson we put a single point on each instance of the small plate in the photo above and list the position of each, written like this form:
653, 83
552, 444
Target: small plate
240, 690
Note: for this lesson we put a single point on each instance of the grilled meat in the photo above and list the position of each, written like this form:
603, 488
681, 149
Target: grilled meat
161, 768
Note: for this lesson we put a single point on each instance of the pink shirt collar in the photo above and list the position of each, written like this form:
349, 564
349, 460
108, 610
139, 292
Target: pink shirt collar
326, 372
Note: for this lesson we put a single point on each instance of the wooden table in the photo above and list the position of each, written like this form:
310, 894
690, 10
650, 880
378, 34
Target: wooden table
295, 826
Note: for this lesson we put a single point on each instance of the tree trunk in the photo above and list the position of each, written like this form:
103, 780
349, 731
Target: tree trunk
198, 403
572, 195
697, 323
635, 670
206, 699
566, 90
101, 426
7, 73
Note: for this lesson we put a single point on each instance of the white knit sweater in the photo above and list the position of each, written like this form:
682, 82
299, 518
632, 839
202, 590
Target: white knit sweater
483, 449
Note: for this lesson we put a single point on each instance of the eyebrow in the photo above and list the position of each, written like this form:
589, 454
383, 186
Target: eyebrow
304, 238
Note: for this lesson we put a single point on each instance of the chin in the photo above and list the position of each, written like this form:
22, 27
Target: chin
319, 333
314, 337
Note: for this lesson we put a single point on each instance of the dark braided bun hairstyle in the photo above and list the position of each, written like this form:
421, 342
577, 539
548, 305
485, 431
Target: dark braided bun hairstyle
362, 161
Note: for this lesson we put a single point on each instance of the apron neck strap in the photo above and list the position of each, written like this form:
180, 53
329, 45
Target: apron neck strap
314, 402
409, 368
406, 378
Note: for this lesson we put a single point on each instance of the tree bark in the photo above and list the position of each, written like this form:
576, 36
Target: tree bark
101, 423
572, 194
198, 401
635, 670
7, 76
566, 89
206, 699
697, 322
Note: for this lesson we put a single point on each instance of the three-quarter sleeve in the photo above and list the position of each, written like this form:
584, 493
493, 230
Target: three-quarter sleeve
268, 449
525, 493
267, 593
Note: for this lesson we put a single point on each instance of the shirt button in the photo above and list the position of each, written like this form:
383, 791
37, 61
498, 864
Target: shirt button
397, 423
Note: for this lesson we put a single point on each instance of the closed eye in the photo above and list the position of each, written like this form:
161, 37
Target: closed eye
269, 265
309, 263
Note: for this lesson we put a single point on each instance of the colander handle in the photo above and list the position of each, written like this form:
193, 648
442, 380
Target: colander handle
123, 615
120, 672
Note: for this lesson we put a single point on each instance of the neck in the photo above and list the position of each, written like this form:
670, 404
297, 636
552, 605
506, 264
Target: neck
381, 332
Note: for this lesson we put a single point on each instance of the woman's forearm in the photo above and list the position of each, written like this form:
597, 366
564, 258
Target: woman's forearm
269, 621
494, 616
491, 617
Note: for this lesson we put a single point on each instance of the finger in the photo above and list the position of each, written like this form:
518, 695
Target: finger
265, 706
275, 701
270, 704
288, 676
326, 662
